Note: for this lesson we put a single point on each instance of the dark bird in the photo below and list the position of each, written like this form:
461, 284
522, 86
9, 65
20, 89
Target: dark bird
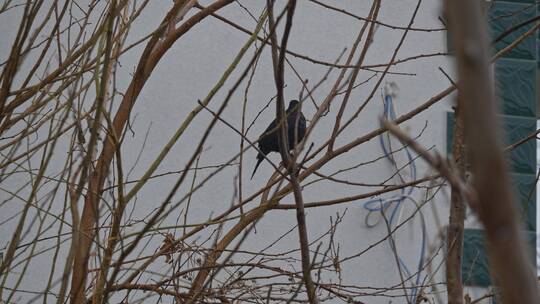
268, 141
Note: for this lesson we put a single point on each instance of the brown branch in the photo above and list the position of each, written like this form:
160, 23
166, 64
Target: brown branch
149, 59
371, 20
246, 220
515, 28
290, 163
67, 63
326, 63
456, 219
359, 196
88, 221
509, 260
373, 14
436, 161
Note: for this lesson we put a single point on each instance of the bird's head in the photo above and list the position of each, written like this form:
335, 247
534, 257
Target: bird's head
293, 104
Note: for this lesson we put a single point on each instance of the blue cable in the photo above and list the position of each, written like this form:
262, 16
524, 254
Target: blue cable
381, 205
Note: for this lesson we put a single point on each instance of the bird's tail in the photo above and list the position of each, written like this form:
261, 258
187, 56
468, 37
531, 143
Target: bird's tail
260, 158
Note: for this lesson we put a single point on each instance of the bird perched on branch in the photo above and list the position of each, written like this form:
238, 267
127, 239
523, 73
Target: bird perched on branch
296, 128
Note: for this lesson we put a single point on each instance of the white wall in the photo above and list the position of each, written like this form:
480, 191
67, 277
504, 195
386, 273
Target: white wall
195, 63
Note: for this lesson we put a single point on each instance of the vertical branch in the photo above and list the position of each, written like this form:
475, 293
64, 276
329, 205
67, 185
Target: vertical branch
289, 163
90, 213
278, 59
114, 235
456, 219
496, 205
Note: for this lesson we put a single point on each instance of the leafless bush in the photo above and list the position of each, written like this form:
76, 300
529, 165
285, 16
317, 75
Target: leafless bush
90, 226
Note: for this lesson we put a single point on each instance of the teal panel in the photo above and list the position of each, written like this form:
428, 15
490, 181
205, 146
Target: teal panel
516, 86
525, 190
475, 269
522, 158
538, 50
519, 1
505, 15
